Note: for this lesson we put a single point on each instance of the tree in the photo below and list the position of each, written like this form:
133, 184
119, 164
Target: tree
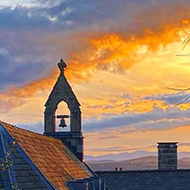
6, 164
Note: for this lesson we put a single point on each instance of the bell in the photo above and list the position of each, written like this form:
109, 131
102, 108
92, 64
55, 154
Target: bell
62, 123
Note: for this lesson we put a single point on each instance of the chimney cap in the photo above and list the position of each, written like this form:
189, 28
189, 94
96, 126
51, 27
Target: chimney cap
167, 142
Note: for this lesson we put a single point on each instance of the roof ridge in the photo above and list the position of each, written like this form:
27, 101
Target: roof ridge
2, 122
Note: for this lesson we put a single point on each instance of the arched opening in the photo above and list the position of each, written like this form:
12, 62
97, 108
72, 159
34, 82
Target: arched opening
62, 109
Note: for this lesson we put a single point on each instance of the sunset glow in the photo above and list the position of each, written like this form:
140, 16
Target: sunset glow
119, 66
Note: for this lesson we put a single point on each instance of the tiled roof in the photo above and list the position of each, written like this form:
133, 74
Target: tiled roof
26, 178
50, 155
147, 179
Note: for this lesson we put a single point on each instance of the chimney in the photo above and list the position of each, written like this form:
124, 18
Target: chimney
167, 155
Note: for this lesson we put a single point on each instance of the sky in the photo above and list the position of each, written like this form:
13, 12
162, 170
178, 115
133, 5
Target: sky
122, 56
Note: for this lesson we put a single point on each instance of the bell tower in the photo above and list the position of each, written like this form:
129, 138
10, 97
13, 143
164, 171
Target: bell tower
62, 91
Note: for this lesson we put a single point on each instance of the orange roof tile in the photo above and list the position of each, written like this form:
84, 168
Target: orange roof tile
50, 155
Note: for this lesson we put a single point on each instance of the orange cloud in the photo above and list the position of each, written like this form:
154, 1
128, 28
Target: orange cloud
117, 52
111, 51
14, 97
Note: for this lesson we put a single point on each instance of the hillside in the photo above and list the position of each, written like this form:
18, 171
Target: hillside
130, 156
143, 163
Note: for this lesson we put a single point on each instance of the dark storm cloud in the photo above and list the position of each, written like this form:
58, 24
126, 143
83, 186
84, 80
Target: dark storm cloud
21, 58
70, 14
18, 74
62, 15
59, 14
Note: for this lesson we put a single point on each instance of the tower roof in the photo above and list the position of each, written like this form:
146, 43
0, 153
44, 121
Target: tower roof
61, 90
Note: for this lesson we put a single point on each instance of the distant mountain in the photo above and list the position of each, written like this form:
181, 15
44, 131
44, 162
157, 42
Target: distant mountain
143, 163
149, 162
129, 156
121, 156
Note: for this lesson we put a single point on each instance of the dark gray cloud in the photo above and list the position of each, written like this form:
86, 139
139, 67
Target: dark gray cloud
19, 74
157, 119
37, 127
88, 12
22, 18
70, 14
169, 98
56, 16
21, 58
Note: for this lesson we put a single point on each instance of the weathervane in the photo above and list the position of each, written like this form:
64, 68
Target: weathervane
62, 65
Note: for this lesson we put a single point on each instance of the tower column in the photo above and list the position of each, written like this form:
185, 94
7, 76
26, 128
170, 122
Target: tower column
49, 120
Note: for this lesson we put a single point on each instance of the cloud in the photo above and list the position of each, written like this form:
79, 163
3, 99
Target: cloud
118, 149
16, 97
107, 149
22, 60
123, 38
3, 52
9, 3
184, 144
36, 37
157, 119
22, 18
100, 54
37, 127
169, 98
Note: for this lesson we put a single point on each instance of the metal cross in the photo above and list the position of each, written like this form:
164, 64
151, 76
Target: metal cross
62, 65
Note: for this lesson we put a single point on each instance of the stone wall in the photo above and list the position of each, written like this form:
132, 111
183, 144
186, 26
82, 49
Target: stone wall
73, 140
167, 156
